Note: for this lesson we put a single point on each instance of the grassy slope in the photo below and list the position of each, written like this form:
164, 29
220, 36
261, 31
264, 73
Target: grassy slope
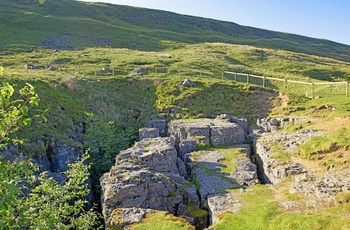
138, 27
112, 108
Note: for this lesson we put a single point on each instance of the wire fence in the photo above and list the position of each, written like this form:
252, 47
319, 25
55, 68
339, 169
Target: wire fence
100, 71
309, 89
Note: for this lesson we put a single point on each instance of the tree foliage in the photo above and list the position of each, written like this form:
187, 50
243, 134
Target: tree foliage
29, 201
14, 109
61, 206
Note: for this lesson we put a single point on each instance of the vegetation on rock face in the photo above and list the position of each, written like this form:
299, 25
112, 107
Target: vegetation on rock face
37, 203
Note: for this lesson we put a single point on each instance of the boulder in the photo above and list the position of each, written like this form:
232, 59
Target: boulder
160, 124
206, 131
60, 154
106, 69
122, 217
221, 203
246, 172
243, 122
148, 133
186, 146
145, 176
188, 83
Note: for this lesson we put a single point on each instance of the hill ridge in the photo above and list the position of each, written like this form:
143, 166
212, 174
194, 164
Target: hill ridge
142, 28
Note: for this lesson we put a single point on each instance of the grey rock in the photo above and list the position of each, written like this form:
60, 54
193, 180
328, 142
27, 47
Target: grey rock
289, 205
245, 171
106, 69
188, 83
221, 203
207, 170
148, 133
161, 125
210, 184
184, 149
61, 154
272, 170
192, 196
243, 122
122, 217
326, 187
186, 146
207, 131
181, 167
145, 176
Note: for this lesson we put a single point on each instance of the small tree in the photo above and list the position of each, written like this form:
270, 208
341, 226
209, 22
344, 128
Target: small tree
14, 113
48, 205
54, 206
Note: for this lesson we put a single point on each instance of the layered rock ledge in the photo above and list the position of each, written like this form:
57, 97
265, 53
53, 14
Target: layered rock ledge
154, 173
148, 175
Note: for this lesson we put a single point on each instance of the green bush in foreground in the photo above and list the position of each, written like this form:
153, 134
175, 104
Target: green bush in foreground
28, 202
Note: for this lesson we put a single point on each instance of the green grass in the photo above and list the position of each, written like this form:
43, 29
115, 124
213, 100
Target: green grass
162, 220
278, 153
144, 29
196, 212
337, 139
113, 106
259, 211
229, 159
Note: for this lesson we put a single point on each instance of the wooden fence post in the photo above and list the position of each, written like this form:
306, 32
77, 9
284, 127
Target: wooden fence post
312, 91
235, 76
347, 89
285, 85
264, 81
247, 78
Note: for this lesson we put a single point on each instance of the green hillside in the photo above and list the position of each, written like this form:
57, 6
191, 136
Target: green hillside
149, 53
68, 24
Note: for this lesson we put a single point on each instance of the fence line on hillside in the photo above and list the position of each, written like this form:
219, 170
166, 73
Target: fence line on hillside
93, 70
310, 89
324, 88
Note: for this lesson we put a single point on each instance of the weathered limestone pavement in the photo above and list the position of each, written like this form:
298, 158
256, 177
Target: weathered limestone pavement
267, 133
154, 174
151, 175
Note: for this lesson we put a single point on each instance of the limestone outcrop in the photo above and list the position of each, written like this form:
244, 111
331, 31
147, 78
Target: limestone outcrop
155, 173
326, 187
215, 171
152, 174
207, 131
122, 217
148, 133
268, 135
145, 176
220, 204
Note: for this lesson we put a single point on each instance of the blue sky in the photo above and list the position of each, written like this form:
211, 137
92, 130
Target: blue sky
327, 19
